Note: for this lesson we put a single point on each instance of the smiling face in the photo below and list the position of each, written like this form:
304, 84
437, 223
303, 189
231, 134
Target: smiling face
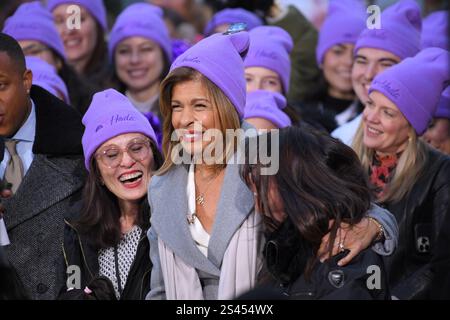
139, 63
15, 103
193, 113
79, 44
259, 78
386, 129
130, 179
337, 69
368, 63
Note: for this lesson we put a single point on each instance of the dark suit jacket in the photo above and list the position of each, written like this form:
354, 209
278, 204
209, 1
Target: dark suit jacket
34, 215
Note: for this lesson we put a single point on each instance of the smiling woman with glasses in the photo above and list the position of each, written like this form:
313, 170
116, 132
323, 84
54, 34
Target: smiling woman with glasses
108, 239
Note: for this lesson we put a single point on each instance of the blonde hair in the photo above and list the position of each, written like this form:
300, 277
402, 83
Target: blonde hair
224, 112
408, 169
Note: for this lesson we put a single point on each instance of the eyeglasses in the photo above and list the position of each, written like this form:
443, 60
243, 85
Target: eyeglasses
138, 149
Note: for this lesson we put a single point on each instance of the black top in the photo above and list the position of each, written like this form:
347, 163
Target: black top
286, 256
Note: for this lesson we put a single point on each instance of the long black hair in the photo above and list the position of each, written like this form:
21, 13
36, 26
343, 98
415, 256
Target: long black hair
99, 218
319, 179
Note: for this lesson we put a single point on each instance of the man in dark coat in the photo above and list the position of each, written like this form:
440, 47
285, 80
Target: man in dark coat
48, 134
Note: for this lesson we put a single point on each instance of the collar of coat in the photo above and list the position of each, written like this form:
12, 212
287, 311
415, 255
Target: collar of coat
58, 126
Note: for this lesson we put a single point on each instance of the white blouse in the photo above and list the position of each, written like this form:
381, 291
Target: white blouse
198, 233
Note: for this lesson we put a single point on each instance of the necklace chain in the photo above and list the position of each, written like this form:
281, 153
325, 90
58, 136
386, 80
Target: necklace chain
200, 199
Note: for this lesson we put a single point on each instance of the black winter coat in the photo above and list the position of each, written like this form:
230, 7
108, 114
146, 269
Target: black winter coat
422, 217
286, 255
78, 251
364, 278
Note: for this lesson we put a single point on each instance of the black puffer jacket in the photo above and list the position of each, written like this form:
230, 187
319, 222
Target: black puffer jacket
420, 217
286, 254
78, 251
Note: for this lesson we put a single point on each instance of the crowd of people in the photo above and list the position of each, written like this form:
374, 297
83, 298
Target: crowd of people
136, 151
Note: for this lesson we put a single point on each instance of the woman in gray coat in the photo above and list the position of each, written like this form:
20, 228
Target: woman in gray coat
205, 235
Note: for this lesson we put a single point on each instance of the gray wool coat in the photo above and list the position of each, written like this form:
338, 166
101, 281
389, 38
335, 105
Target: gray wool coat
169, 207
34, 215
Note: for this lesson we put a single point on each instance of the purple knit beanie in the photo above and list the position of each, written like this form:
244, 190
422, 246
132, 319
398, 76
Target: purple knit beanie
270, 47
267, 105
443, 108
435, 30
415, 85
219, 58
32, 21
144, 20
344, 22
95, 7
111, 114
401, 26
46, 76
230, 16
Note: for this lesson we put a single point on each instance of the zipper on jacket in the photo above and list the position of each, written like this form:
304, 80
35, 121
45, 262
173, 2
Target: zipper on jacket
142, 283
81, 247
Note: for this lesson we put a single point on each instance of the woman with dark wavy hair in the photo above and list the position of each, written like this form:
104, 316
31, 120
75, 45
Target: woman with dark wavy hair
107, 236
319, 186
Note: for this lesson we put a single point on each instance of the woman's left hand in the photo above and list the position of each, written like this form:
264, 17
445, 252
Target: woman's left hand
354, 238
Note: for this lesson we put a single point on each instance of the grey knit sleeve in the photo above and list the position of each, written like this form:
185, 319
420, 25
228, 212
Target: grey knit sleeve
389, 223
